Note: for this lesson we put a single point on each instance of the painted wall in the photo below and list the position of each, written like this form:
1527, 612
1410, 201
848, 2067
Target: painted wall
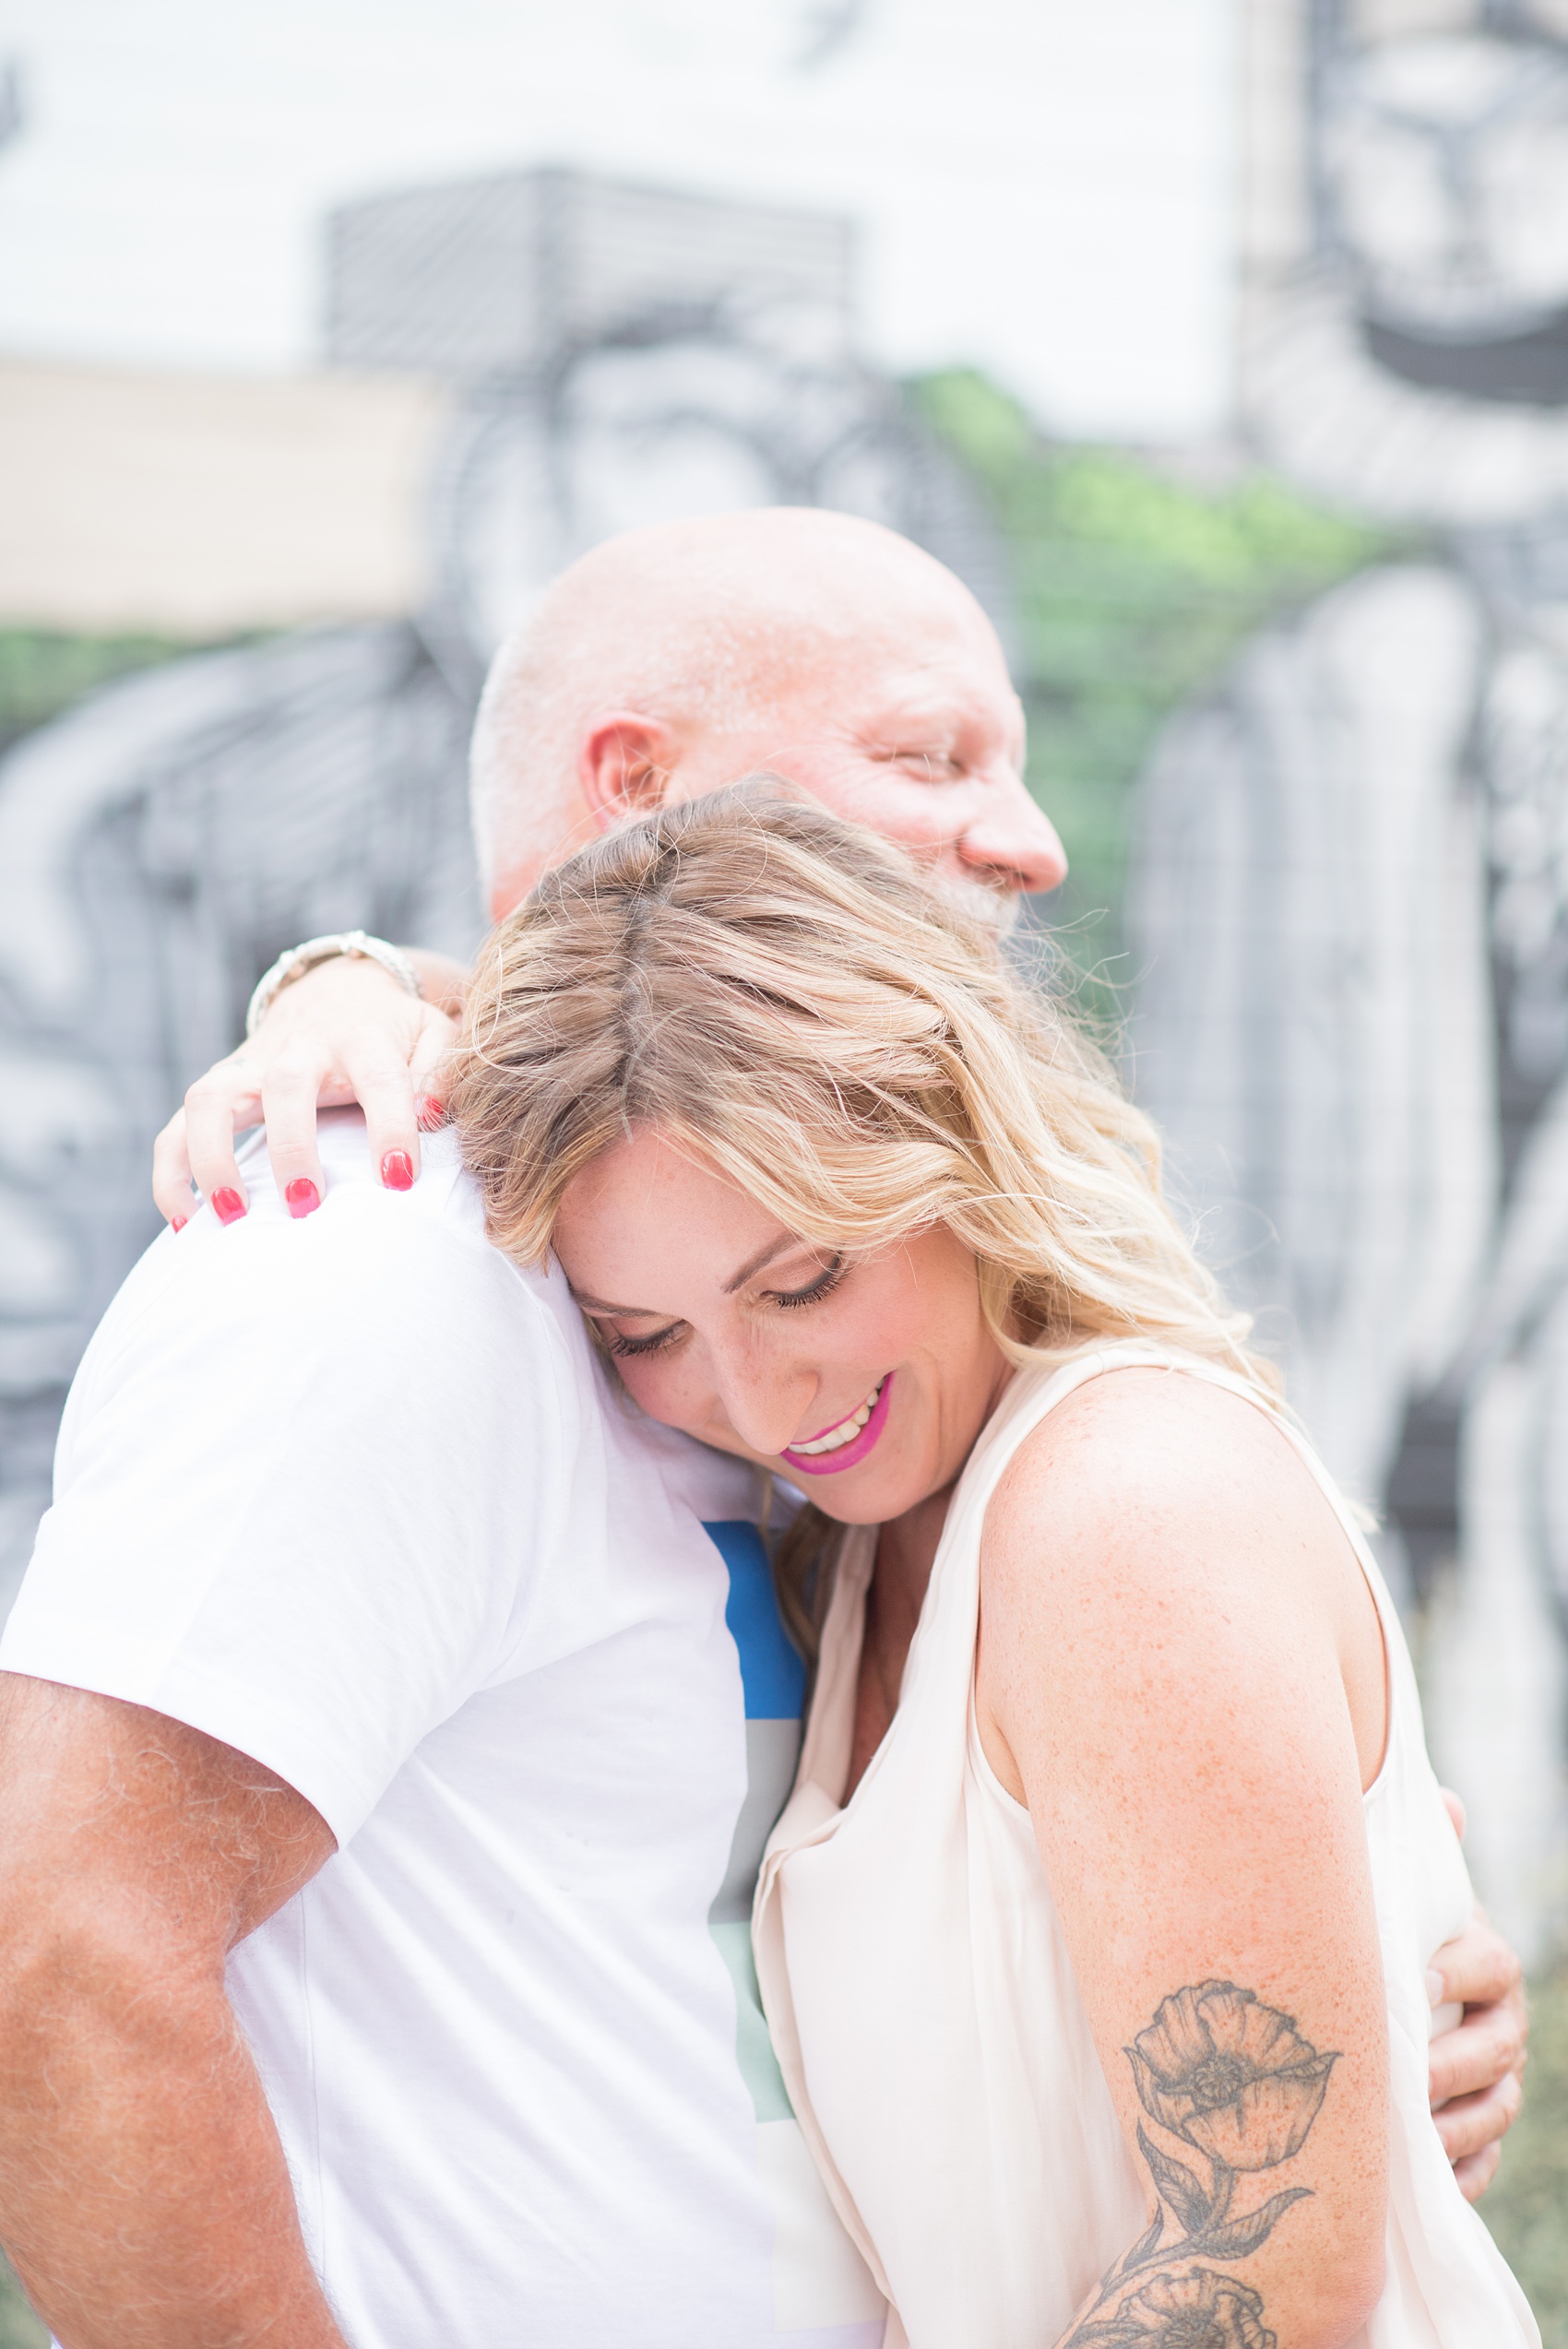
1349, 902
203, 506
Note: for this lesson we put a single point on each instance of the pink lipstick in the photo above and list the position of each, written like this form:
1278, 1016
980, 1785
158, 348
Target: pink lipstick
843, 1455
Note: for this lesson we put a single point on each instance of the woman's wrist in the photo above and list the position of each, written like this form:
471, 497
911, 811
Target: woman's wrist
444, 981
298, 961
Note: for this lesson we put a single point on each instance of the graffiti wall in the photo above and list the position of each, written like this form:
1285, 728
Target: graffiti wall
1298, 700
1348, 901
582, 356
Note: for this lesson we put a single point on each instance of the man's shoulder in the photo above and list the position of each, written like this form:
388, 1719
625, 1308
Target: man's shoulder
712, 1485
442, 1211
402, 1244
312, 1478
391, 1289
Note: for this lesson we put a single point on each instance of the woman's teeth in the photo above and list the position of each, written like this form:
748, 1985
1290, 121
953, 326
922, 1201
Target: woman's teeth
847, 1429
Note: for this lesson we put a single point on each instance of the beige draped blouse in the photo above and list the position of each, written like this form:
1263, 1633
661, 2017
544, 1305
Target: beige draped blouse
927, 2018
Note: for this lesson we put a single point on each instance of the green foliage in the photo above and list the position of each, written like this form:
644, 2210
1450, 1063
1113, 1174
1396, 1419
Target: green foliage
1135, 584
1527, 2207
19, 2328
42, 673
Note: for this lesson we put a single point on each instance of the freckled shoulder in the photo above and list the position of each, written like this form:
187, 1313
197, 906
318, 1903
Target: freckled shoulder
1139, 1470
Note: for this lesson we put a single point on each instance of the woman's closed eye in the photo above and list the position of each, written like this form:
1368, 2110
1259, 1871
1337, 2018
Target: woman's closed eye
654, 1344
822, 1284
825, 1282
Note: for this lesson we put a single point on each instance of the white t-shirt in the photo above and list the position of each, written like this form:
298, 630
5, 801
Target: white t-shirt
353, 1495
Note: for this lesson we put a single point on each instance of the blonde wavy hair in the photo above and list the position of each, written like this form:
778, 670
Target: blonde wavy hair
785, 995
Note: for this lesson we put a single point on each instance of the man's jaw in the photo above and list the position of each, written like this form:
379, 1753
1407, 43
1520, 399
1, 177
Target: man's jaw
990, 905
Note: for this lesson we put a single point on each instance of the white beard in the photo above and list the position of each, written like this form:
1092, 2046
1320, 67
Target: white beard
996, 910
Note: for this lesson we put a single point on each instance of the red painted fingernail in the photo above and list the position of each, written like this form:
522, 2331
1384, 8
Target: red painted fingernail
302, 1196
227, 1206
397, 1170
429, 1113
178, 1223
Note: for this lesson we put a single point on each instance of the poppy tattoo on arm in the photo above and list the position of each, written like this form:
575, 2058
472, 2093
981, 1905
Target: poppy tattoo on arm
1233, 2082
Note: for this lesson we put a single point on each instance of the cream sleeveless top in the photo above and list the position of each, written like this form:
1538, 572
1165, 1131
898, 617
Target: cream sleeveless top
927, 2019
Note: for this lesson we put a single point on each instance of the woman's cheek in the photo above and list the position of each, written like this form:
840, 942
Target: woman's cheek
644, 1385
665, 1395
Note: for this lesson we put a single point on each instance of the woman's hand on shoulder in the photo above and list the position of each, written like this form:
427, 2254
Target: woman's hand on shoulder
344, 1032
1164, 1602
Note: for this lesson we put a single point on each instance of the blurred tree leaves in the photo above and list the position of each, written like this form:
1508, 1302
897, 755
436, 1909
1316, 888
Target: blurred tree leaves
1135, 580
19, 2328
44, 671
1528, 2208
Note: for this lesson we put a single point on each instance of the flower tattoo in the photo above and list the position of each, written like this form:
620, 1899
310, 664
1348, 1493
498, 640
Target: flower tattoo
1234, 2077
1197, 2310
1235, 2082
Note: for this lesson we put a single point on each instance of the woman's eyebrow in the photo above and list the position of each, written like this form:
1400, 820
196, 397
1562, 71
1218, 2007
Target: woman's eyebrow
748, 1271
597, 1305
753, 1264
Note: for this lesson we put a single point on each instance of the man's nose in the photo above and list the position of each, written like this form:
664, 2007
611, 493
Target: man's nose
1015, 840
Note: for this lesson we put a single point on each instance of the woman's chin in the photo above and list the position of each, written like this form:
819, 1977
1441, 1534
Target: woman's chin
844, 1508
874, 1494
871, 1493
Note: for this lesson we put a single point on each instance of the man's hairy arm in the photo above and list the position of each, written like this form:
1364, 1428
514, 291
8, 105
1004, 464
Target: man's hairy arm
144, 2198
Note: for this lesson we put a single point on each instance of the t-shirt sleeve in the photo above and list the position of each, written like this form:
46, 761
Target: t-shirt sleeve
309, 1476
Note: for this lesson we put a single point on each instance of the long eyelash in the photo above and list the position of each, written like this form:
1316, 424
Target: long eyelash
824, 1286
622, 1347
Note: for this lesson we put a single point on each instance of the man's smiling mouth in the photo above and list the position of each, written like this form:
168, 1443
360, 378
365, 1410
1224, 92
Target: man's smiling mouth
849, 1439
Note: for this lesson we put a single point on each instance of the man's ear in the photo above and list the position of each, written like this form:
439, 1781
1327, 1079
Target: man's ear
625, 764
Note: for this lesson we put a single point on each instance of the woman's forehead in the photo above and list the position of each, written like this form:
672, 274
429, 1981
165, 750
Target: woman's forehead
648, 1200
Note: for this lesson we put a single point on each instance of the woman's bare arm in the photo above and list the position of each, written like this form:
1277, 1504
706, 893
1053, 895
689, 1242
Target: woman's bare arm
344, 1032
1170, 1622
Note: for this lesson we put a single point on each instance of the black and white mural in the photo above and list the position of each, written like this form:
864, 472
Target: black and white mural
1349, 900
617, 355
1347, 913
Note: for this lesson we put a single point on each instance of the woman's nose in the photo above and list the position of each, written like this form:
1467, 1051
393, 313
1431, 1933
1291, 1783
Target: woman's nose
766, 1408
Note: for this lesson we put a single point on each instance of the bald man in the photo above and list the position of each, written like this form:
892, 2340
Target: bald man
389, 1725
661, 665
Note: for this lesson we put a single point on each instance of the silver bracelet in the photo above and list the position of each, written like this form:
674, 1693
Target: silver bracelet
299, 959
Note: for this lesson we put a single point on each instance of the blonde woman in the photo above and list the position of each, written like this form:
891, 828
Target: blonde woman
1093, 1937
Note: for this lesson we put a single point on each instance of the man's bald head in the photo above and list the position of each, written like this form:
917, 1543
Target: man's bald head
672, 659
